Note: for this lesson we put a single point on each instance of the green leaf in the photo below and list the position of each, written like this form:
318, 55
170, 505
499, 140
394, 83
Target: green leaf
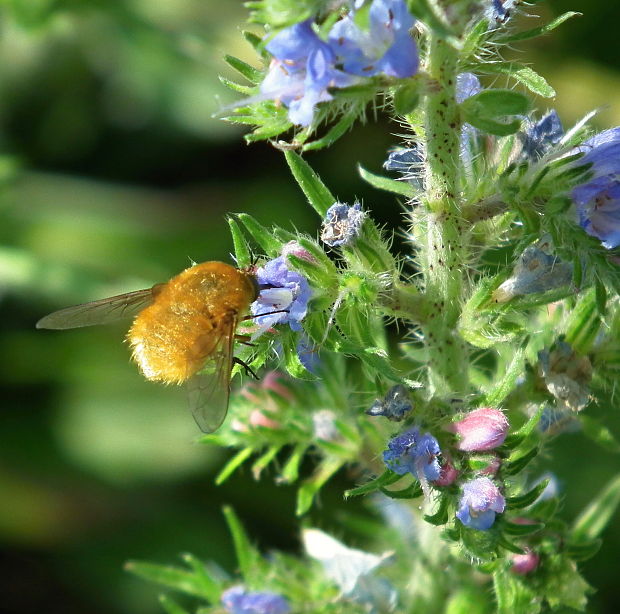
171, 607
311, 486
512, 441
584, 550
584, 323
406, 98
599, 433
210, 585
515, 464
264, 459
249, 72
565, 586
508, 545
489, 109
474, 38
535, 32
247, 556
233, 464
172, 577
385, 479
506, 385
333, 134
242, 250
591, 522
290, 471
521, 501
523, 74
601, 296
519, 530
513, 596
386, 183
263, 236
315, 190
413, 491
440, 517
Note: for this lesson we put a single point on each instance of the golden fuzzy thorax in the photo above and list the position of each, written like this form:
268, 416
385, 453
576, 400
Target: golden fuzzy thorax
172, 337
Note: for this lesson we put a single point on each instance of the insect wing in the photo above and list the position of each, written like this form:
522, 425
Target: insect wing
210, 388
103, 311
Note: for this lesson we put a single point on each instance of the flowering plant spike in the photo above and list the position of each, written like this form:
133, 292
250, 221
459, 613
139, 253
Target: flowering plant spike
505, 297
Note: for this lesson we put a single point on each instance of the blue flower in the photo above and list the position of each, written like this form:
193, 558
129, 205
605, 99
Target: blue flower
395, 406
237, 600
304, 67
280, 289
409, 163
500, 10
598, 199
342, 224
410, 452
301, 72
467, 85
479, 503
386, 47
541, 136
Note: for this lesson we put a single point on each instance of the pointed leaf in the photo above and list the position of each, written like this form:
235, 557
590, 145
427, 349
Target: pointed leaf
171, 607
518, 530
242, 250
209, 584
233, 464
521, 501
386, 183
311, 486
591, 522
247, 555
412, 491
172, 577
249, 72
263, 236
315, 190
385, 479
334, 133
535, 32
523, 74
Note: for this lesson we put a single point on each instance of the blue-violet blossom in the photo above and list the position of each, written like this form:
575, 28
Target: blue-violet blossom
342, 224
237, 600
539, 137
304, 67
598, 199
280, 289
479, 503
394, 406
410, 452
301, 72
386, 47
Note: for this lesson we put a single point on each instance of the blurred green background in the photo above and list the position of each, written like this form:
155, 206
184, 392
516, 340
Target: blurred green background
113, 176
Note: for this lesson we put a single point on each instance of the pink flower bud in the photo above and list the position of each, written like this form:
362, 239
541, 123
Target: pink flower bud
293, 248
258, 418
272, 381
524, 563
481, 429
447, 476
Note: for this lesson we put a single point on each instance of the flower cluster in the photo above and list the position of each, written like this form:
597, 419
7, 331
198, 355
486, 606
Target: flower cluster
304, 67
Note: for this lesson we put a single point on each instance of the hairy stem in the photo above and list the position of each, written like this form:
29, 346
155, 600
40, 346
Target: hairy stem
443, 246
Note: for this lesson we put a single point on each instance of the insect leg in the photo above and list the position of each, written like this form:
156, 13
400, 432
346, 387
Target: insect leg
247, 367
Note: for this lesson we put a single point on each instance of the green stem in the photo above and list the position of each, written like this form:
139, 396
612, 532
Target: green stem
443, 248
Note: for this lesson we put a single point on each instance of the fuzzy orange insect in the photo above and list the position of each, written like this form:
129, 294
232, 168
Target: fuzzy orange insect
183, 331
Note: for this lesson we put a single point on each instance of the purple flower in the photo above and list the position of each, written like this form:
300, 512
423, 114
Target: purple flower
598, 199
479, 503
408, 162
467, 85
524, 563
237, 600
540, 136
280, 289
395, 406
410, 452
301, 72
481, 429
342, 224
500, 10
386, 47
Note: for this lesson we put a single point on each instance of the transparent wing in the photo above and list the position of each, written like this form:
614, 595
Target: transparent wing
210, 388
103, 311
